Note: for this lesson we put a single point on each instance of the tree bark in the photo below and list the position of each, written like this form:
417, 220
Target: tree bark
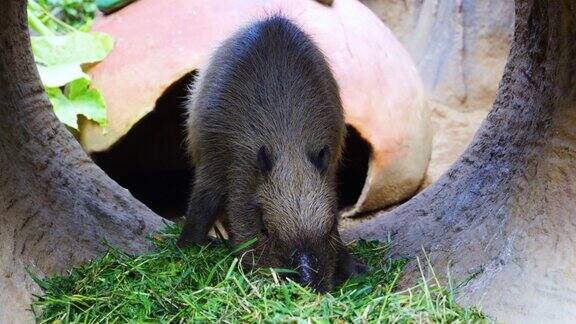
57, 208
505, 212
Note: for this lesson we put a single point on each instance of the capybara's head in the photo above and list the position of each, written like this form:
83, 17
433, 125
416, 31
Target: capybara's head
295, 210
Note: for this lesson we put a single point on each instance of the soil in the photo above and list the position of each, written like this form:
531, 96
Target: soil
453, 130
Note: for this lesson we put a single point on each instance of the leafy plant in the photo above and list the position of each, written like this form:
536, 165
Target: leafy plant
208, 284
60, 58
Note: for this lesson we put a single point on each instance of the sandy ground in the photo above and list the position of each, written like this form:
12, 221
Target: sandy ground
453, 130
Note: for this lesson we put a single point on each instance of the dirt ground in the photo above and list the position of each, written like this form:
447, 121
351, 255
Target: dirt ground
453, 131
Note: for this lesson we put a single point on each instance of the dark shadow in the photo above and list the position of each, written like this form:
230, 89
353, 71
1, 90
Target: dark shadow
150, 160
353, 168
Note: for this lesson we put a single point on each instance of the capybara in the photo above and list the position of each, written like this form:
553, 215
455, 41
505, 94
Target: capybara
265, 133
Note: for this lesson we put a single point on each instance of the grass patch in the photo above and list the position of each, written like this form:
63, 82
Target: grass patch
207, 284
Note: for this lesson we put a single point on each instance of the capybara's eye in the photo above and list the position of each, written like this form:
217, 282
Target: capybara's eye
321, 159
264, 160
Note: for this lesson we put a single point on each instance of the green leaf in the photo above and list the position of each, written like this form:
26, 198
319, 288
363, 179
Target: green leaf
55, 76
80, 101
63, 107
74, 48
88, 102
59, 58
78, 88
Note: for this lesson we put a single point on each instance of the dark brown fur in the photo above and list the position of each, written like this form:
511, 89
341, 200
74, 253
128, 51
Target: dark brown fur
266, 131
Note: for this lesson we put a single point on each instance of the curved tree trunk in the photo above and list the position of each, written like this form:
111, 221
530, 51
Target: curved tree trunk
56, 207
506, 210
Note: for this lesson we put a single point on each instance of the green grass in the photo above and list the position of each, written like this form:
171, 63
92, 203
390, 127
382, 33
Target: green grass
207, 284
